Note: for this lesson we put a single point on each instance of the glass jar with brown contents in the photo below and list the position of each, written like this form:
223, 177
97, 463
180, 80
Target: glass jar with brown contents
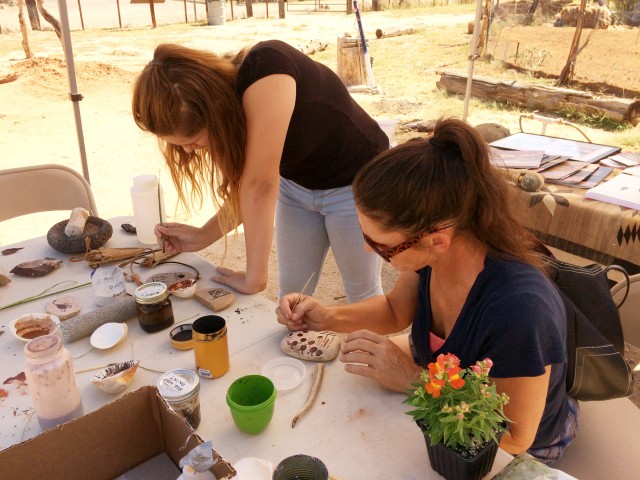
155, 312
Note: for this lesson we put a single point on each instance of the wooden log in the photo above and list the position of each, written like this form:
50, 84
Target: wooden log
542, 97
313, 46
394, 33
351, 69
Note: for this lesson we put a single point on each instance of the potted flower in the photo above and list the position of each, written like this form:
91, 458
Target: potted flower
461, 416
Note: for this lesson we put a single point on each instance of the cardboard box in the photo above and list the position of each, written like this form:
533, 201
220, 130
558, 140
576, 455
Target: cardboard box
106, 443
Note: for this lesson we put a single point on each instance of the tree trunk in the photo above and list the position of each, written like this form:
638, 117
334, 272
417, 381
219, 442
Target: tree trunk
34, 18
542, 97
23, 29
249, 8
567, 71
51, 19
532, 10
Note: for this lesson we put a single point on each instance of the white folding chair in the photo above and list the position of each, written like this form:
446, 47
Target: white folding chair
43, 188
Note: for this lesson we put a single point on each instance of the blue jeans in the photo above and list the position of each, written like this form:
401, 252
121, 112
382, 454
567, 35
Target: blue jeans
308, 222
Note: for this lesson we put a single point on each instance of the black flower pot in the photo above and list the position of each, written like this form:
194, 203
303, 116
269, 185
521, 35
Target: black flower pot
453, 466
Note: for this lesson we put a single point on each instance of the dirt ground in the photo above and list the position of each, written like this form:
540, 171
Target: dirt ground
37, 122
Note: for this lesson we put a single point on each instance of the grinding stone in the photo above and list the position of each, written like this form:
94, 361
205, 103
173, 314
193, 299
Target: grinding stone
96, 229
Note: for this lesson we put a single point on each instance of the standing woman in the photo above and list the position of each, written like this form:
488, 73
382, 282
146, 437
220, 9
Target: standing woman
267, 133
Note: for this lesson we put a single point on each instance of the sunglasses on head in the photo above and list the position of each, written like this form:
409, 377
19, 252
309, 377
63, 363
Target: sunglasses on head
390, 252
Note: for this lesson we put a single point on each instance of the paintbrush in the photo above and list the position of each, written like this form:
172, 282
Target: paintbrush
160, 210
295, 304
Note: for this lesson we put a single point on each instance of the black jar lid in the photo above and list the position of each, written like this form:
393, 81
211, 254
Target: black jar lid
181, 337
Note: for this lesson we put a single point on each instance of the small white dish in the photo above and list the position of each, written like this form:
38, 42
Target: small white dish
108, 335
286, 373
33, 325
250, 468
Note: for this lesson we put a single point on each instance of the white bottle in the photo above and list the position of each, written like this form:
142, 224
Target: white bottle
146, 208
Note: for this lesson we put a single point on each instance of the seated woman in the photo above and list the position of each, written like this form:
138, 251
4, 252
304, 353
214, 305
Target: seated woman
470, 285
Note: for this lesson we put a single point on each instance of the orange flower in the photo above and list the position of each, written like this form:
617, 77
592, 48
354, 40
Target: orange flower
433, 389
456, 381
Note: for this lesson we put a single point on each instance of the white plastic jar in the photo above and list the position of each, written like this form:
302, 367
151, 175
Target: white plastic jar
51, 381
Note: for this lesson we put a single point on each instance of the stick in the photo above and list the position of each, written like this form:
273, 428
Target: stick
365, 50
160, 206
295, 304
44, 294
312, 395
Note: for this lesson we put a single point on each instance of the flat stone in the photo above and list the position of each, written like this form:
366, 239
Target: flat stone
314, 346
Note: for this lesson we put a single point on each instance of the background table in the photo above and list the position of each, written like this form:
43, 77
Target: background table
359, 429
562, 218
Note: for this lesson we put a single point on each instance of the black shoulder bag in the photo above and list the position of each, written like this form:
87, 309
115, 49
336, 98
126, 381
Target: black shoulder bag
595, 343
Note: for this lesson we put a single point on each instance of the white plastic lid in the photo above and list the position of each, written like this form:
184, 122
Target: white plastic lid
145, 181
285, 372
177, 384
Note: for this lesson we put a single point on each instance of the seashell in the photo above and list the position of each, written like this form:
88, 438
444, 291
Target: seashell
108, 335
115, 378
184, 288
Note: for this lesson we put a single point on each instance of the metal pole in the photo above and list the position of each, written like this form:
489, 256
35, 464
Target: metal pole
74, 96
472, 58
365, 50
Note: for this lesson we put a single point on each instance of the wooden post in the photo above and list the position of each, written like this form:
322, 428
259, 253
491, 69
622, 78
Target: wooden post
266, 4
153, 14
249, 8
231, 5
281, 9
80, 10
186, 20
34, 18
119, 17
195, 15
351, 68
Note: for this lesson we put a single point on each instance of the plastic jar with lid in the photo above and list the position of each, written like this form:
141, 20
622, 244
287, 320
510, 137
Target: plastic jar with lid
51, 381
155, 312
181, 390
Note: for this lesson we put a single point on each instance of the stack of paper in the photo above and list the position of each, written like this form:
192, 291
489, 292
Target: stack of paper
621, 190
572, 173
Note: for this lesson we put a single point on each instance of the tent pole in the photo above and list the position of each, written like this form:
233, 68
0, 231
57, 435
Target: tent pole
472, 57
74, 96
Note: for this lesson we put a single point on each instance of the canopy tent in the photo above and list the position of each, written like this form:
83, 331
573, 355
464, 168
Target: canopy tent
74, 96
472, 57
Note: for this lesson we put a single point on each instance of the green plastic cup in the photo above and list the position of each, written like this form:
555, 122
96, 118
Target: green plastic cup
251, 399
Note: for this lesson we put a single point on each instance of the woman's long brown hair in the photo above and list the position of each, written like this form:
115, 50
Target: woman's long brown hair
447, 177
179, 93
